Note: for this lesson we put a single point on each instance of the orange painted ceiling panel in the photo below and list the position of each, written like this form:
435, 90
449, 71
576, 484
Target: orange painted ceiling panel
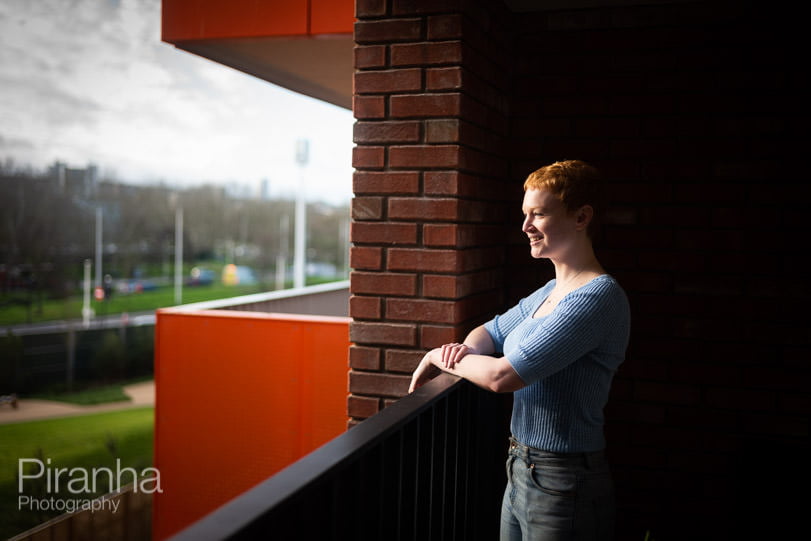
332, 16
205, 19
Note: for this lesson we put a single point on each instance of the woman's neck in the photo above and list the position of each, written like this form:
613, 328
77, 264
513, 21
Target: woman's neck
577, 264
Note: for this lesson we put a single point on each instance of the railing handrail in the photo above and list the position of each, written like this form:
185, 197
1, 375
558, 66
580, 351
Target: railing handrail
218, 304
234, 516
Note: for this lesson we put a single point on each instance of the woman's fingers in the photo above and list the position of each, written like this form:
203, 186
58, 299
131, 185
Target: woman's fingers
461, 352
452, 354
446, 353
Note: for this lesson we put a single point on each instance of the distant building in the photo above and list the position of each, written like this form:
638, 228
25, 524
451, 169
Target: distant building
78, 182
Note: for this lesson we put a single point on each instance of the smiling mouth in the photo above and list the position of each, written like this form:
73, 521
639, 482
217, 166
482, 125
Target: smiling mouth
534, 239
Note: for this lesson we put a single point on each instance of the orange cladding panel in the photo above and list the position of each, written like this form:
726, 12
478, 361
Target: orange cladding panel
239, 396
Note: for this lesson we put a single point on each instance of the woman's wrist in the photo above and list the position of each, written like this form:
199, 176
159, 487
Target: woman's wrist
431, 358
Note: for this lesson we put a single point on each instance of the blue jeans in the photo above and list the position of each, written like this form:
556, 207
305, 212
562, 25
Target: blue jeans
553, 496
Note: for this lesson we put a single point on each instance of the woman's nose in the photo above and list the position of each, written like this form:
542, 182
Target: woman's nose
526, 226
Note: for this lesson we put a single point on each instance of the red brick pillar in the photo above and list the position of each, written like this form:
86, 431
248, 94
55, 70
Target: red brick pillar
427, 217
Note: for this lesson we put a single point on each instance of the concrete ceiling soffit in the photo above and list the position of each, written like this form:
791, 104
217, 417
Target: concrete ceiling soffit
319, 67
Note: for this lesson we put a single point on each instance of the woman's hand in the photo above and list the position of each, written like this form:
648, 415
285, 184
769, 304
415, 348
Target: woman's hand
491, 373
448, 356
453, 353
425, 371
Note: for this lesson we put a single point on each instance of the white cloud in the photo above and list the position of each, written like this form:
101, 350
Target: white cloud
90, 81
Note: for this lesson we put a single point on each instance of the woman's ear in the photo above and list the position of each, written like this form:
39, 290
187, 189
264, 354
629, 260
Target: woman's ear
583, 217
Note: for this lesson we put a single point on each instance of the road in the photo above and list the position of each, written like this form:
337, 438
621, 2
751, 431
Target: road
29, 409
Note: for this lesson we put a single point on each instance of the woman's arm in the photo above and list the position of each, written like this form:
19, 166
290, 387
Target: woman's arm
491, 373
478, 341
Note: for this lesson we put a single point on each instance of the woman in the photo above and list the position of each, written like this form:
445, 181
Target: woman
557, 351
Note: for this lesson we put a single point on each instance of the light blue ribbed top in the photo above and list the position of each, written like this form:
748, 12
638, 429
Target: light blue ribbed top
567, 359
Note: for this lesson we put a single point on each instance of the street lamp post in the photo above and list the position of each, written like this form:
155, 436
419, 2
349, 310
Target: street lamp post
281, 258
99, 225
179, 255
87, 311
300, 247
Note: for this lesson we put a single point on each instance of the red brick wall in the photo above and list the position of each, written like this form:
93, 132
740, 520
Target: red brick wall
431, 185
696, 113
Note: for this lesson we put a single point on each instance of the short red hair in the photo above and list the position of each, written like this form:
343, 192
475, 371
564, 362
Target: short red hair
575, 183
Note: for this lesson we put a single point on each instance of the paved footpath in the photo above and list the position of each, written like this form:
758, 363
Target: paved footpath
141, 394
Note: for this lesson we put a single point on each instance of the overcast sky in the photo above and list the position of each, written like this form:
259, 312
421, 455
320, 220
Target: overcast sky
89, 81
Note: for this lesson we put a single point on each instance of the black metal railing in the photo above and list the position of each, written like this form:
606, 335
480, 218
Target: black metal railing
430, 466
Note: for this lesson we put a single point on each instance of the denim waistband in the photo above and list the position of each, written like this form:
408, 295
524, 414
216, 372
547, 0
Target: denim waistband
533, 455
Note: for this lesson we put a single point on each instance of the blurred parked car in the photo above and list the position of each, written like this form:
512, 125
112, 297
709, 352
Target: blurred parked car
201, 277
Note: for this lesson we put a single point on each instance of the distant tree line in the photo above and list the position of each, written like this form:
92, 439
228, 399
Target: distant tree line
48, 224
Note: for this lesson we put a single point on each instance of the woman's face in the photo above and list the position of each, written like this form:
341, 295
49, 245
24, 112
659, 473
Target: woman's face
550, 227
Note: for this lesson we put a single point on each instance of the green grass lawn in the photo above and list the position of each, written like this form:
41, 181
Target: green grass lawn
86, 397
71, 308
85, 441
